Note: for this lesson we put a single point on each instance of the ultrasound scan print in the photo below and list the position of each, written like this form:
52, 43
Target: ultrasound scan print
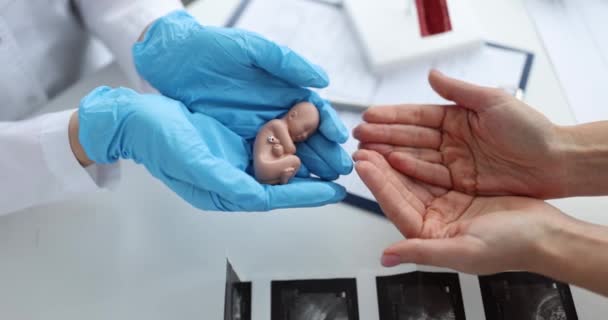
241, 301
420, 296
331, 299
237, 300
526, 296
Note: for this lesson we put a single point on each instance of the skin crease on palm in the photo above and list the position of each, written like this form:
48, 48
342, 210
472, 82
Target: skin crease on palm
454, 180
488, 143
453, 229
432, 169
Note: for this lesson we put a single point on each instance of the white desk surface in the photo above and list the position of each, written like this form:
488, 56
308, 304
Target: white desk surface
140, 252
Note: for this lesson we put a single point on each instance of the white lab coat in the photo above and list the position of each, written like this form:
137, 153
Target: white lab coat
44, 47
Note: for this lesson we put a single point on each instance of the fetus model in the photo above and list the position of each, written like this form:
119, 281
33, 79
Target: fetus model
274, 159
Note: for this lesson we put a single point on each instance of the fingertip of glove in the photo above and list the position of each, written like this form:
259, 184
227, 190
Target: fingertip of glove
347, 166
334, 130
303, 172
342, 134
340, 192
331, 126
329, 192
321, 79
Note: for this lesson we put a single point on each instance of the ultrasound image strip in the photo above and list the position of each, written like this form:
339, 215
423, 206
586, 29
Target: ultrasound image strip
326, 299
420, 295
237, 300
241, 301
523, 295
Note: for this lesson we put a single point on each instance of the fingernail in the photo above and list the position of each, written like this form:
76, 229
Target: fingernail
390, 260
358, 164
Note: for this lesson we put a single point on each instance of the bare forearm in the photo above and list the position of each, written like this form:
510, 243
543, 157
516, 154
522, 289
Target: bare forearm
585, 159
575, 252
77, 148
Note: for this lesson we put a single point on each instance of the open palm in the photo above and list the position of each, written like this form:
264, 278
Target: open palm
452, 229
488, 143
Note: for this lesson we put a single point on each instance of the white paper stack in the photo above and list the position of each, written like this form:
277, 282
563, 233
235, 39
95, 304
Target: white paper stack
321, 33
390, 32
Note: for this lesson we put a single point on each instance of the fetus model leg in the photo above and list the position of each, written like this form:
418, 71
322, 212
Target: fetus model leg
292, 166
287, 167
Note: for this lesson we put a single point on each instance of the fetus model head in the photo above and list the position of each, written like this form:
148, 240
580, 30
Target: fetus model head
302, 121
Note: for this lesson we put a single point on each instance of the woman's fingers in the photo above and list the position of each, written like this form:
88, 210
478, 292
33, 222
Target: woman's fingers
432, 173
464, 94
394, 205
398, 134
429, 155
414, 114
414, 195
455, 253
424, 191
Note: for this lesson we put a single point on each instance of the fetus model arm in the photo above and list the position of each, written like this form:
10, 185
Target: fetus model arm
274, 149
282, 135
289, 166
278, 150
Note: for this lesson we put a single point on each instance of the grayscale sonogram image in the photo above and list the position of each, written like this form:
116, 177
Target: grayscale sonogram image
420, 296
318, 306
526, 296
237, 300
332, 299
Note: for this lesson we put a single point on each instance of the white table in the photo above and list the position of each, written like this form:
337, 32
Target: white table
140, 252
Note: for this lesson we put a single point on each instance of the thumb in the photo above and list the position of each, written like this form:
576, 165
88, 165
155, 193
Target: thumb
447, 253
464, 94
303, 193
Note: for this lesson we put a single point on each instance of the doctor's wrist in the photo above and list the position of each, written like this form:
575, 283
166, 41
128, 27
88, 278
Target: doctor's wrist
77, 148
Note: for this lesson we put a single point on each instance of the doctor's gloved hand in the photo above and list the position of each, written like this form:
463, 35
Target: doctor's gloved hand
242, 80
196, 156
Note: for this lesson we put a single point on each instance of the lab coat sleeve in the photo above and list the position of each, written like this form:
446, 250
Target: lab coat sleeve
37, 164
119, 24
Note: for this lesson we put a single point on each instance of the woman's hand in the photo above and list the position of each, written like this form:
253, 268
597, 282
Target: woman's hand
489, 143
484, 235
451, 229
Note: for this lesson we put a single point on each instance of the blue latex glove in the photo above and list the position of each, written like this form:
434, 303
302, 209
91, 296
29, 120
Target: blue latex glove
243, 81
193, 154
